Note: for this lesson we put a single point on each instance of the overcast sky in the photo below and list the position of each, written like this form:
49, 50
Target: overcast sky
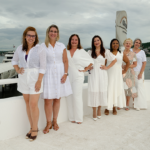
84, 17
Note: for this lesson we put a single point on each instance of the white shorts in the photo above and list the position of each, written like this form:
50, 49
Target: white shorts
27, 81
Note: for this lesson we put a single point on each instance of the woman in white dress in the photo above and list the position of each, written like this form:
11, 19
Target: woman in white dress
116, 94
140, 101
29, 61
79, 62
56, 82
98, 79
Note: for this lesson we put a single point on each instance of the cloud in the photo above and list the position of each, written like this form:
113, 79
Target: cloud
86, 18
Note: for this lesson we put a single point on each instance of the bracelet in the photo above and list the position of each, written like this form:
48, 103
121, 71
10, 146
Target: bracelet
66, 74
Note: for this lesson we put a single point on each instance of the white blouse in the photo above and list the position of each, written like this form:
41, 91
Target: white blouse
141, 57
36, 58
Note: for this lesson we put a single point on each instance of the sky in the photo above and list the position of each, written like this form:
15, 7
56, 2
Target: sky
83, 17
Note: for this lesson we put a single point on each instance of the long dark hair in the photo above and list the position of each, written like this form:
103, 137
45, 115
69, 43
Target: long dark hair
69, 42
102, 49
111, 45
24, 42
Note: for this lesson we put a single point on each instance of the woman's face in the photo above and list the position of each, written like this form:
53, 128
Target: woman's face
30, 37
137, 44
97, 42
74, 41
53, 33
128, 44
115, 45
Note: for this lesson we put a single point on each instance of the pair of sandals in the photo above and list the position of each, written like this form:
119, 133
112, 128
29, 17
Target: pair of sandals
51, 125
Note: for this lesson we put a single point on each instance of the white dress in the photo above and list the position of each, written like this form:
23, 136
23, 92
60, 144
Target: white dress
116, 94
140, 101
53, 88
98, 81
79, 61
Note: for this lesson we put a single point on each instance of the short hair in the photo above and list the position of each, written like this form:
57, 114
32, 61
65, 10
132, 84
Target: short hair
24, 42
128, 39
47, 32
139, 40
69, 42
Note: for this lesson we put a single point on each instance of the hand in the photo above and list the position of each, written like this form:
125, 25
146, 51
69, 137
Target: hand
140, 76
91, 68
123, 71
38, 86
82, 70
20, 71
103, 67
63, 79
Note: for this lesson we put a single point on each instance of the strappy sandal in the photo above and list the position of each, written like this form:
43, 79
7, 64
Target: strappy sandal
127, 108
106, 112
32, 138
55, 125
28, 135
48, 126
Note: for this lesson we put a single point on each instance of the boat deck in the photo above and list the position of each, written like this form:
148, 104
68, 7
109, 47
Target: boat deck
129, 130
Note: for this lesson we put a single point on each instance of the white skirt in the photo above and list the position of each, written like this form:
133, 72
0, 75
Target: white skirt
97, 87
53, 88
140, 101
27, 81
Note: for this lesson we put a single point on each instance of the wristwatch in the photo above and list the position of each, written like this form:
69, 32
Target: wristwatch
67, 74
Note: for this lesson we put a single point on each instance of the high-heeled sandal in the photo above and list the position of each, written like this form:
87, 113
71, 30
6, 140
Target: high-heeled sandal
48, 126
28, 135
32, 138
55, 125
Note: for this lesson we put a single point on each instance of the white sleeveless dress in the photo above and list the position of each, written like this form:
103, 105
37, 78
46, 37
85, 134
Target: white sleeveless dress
116, 94
98, 81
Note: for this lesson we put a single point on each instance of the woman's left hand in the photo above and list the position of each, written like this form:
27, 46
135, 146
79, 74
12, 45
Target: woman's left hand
38, 86
63, 79
103, 67
140, 76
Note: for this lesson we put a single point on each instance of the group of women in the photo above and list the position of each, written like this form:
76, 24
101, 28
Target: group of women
53, 71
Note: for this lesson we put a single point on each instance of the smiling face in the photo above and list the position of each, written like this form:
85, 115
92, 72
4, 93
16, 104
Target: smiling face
74, 41
97, 42
115, 45
137, 44
128, 44
53, 33
30, 37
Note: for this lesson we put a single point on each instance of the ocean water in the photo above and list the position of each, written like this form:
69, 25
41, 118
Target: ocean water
146, 73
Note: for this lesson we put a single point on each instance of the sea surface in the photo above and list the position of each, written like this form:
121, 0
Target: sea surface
146, 73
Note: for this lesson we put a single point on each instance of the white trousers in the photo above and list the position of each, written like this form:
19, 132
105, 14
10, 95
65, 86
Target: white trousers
75, 102
140, 101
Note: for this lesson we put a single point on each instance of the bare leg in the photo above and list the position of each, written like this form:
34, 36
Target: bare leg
94, 112
128, 100
48, 112
114, 111
99, 111
56, 106
26, 98
33, 102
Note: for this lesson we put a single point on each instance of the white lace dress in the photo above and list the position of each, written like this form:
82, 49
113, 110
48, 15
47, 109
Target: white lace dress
53, 88
98, 81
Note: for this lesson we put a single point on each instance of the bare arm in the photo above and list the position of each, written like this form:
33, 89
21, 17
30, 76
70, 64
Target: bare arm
133, 65
65, 61
142, 70
126, 60
89, 67
110, 65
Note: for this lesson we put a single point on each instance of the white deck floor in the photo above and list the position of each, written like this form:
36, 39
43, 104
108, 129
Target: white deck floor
126, 131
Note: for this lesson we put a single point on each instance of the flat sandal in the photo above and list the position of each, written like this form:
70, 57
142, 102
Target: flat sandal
48, 126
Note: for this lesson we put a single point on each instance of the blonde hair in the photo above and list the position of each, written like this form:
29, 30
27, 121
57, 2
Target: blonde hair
128, 39
47, 36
